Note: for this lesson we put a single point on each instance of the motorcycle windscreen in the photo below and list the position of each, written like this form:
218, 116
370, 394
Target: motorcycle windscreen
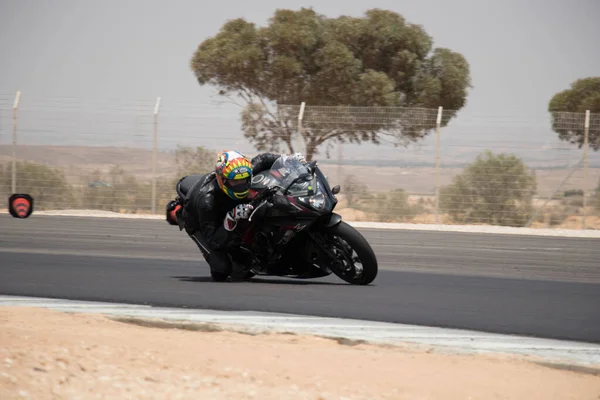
287, 169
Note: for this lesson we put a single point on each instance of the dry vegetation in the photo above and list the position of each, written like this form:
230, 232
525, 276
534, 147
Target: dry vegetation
386, 194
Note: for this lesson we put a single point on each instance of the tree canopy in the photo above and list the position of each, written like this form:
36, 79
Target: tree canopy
583, 95
301, 56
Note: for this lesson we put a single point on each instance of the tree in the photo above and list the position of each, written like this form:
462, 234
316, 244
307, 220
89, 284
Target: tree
583, 95
377, 60
494, 189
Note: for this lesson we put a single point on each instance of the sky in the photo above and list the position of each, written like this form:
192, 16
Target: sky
520, 54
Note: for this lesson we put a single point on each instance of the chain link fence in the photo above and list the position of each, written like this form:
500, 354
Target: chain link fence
394, 164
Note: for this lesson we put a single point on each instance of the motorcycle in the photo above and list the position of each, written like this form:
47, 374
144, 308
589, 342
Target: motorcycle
292, 231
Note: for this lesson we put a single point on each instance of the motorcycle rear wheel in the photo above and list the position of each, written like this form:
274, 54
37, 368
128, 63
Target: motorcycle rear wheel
345, 267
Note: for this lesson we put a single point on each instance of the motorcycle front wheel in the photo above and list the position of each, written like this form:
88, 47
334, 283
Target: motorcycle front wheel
355, 261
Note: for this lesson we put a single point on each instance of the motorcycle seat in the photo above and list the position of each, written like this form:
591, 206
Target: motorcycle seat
186, 183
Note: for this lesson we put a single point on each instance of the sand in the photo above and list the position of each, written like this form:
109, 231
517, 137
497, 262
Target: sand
48, 354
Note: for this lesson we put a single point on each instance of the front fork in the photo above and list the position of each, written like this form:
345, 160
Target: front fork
329, 258
317, 237
325, 257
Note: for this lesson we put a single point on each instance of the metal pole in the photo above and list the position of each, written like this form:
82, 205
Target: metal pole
154, 150
438, 123
340, 160
586, 145
300, 117
575, 167
14, 143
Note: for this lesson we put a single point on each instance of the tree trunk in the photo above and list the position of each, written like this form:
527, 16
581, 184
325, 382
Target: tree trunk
290, 147
311, 146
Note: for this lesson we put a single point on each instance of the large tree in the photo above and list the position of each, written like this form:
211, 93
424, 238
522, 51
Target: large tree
300, 56
583, 95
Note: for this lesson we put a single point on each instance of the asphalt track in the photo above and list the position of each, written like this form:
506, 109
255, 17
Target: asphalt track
528, 285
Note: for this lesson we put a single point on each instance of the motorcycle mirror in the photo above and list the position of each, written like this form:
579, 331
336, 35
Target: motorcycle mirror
312, 166
336, 189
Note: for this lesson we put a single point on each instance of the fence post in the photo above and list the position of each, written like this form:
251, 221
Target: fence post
438, 123
14, 142
340, 161
300, 117
154, 150
586, 145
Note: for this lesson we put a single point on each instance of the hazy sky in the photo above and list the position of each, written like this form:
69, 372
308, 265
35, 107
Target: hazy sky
520, 52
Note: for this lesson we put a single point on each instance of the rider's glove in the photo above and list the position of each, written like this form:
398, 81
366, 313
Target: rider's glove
241, 211
299, 157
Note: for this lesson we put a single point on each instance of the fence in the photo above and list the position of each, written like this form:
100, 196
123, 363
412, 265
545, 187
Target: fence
394, 164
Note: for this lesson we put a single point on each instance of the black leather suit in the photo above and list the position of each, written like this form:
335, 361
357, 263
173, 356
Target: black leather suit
203, 214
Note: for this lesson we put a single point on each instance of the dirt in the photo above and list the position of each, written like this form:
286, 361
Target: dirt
47, 354
571, 222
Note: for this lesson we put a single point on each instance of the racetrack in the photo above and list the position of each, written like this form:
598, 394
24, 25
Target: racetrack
528, 285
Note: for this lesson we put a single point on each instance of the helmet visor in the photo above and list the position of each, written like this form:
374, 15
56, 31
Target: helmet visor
238, 185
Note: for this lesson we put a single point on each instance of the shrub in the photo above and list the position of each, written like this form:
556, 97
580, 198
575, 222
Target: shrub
494, 189
194, 161
354, 191
48, 186
389, 206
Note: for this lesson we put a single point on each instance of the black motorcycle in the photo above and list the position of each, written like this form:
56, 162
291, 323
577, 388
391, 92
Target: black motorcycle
293, 231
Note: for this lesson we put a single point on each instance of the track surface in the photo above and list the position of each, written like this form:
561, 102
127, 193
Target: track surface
539, 286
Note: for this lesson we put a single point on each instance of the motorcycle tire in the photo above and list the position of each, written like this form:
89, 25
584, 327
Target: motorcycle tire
222, 277
365, 253
219, 276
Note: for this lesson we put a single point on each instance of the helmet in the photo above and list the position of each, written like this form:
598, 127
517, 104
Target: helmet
234, 174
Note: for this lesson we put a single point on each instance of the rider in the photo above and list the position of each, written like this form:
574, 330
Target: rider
217, 202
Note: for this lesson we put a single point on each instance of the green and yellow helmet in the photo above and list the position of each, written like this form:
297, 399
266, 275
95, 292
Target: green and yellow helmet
234, 174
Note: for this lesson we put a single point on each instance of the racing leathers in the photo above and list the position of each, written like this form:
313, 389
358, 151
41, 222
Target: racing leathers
210, 218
